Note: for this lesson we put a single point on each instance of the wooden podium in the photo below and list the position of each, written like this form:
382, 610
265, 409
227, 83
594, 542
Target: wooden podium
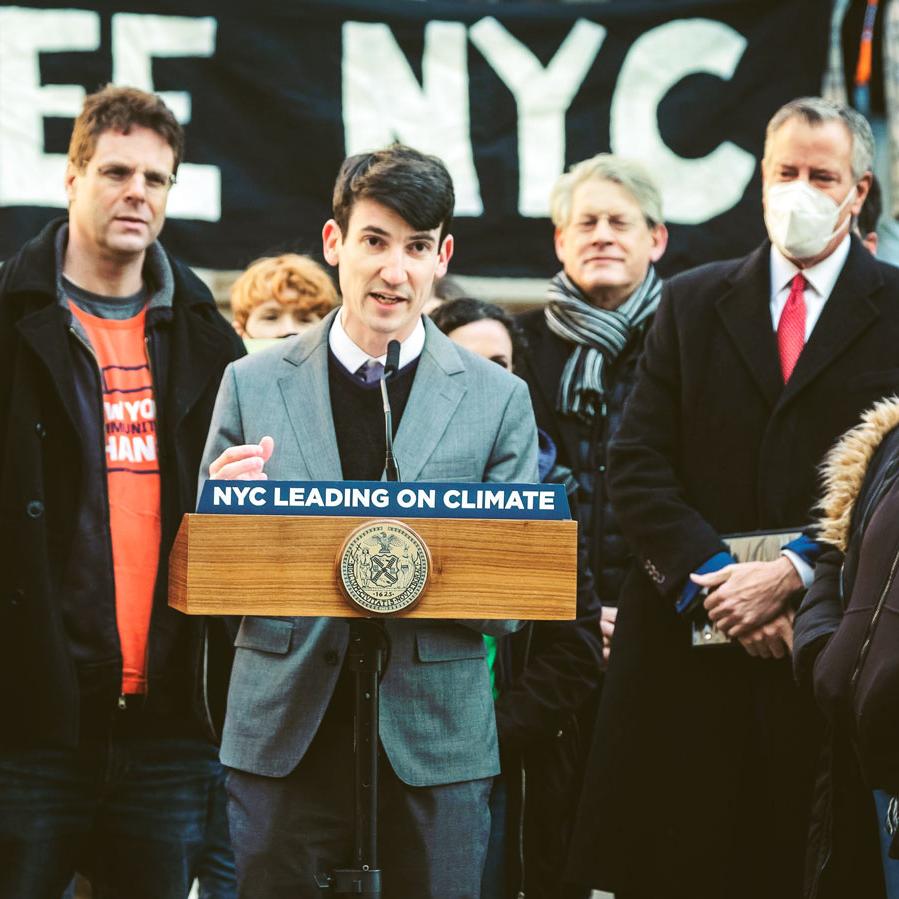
264, 564
286, 565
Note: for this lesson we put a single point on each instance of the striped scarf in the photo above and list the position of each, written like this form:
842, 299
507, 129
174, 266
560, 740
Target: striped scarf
599, 336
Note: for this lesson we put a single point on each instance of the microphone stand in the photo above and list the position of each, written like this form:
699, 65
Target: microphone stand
391, 364
367, 658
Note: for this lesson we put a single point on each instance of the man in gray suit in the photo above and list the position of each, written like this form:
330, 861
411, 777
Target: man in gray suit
311, 409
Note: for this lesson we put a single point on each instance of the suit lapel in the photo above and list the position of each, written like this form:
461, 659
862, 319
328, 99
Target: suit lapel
745, 312
436, 392
847, 313
307, 401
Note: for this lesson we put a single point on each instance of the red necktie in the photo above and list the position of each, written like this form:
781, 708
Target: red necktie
791, 327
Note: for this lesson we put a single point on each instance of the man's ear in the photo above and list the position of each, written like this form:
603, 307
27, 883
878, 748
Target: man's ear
659, 242
861, 190
444, 255
559, 244
331, 242
69, 181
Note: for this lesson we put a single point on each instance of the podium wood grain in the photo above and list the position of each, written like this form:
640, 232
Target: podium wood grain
286, 565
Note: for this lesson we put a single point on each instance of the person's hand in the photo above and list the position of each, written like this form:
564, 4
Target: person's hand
607, 626
745, 595
773, 640
243, 463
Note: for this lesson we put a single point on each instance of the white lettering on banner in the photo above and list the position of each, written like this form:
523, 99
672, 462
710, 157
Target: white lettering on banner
383, 101
694, 190
542, 96
143, 409
28, 175
314, 496
520, 500
136, 40
420, 498
131, 448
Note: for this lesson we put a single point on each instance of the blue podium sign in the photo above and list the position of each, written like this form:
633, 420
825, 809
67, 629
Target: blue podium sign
384, 499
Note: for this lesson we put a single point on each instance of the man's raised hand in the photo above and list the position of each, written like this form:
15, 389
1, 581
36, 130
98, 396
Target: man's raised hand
243, 463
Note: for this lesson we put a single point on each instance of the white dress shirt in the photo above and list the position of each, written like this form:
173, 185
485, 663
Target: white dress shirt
820, 280
352, 357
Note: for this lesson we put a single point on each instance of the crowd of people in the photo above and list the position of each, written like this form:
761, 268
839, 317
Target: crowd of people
718, 720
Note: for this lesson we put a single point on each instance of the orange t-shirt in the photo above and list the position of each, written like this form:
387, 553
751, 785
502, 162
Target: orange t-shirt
132, 478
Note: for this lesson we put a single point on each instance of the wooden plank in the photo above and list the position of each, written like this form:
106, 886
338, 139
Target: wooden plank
286, 565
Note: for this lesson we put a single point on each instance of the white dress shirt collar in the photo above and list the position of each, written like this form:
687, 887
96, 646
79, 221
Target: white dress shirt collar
352, 357
820, 277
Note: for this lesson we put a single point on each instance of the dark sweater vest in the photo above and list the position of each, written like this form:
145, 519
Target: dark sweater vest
358, 415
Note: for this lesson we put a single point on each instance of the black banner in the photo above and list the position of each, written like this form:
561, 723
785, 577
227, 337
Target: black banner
273, 97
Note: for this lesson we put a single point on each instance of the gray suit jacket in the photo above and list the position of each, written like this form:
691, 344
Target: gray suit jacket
466, 420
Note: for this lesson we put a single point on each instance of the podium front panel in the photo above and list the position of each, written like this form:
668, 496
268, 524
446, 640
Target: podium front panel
285, 565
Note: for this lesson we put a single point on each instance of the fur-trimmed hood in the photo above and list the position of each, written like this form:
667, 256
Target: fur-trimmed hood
844, 467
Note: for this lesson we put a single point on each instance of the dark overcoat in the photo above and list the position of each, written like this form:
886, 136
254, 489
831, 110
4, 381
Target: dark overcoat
45, 445
701, 768
541, 367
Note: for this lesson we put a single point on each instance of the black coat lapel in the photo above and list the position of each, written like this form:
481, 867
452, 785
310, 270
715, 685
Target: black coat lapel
45, 331
546, 358
199, 354
745, 311
847, 313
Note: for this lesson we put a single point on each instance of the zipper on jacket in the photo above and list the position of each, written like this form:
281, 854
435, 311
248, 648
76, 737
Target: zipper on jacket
205, 674
523, 797
159, 463
104, 487
872, 624
523, 782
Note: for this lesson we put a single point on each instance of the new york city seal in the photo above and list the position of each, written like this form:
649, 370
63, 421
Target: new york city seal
383, 567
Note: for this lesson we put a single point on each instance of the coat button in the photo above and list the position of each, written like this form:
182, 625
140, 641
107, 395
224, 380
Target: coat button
34, 509
331, 657
40, 430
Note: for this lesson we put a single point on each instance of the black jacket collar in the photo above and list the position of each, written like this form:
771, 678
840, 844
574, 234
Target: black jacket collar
745, 312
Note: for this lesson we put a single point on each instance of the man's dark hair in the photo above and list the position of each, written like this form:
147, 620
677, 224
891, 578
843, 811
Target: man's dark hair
453, 314
121, 109
869, 215
417, 187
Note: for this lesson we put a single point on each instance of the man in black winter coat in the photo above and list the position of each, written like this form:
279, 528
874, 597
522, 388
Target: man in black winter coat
580, 365
111, 354
584, 344
545, 681
702, 785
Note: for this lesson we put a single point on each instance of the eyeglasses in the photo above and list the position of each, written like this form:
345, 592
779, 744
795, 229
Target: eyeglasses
155, 182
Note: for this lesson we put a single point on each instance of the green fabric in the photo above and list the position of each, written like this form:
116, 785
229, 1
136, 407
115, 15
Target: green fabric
490, 643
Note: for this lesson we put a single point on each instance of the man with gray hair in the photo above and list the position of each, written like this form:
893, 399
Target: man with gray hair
580, 365
583, 346
699, 784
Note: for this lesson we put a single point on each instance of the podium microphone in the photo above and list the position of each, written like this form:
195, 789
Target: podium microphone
391, 364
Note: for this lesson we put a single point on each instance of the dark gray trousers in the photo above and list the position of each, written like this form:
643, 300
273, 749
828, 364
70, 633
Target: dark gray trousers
432, 840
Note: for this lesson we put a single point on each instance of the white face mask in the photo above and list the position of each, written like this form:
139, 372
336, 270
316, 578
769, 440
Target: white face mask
801, 221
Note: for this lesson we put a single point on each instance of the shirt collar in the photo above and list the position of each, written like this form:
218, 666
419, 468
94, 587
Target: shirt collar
821, 277
351, 356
